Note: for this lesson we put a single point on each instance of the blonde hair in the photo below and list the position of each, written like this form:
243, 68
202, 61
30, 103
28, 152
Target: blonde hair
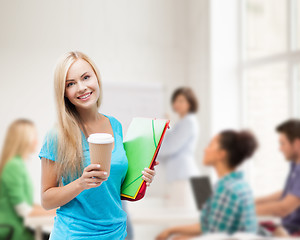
19, 138
69, 139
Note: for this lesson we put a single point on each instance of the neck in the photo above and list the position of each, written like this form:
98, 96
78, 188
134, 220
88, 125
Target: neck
182, 115
297, 160
24, 156
88, 115
223, 170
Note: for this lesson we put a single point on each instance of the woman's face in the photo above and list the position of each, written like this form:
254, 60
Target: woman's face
213, 152
181, 105
82, 88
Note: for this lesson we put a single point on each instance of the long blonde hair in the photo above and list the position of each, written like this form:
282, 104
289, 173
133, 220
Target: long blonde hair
19, 138
69, 139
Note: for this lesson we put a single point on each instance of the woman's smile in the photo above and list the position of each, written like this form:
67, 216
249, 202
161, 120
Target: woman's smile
85, 96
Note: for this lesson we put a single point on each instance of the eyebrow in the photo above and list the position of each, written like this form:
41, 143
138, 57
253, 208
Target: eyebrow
74, 80
83, 74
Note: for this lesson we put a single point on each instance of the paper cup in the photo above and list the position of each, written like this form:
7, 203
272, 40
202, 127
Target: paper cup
101, 146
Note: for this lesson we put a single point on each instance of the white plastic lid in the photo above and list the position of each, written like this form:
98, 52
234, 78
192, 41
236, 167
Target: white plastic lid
100, 138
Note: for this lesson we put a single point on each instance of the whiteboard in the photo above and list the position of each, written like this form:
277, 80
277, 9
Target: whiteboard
125, 101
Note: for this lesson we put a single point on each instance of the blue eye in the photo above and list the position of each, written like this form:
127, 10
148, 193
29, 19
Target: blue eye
86, 77
70, 84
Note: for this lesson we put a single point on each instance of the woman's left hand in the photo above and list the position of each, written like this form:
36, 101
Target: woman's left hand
149, 174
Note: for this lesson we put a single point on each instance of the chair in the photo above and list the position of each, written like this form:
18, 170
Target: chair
10, 231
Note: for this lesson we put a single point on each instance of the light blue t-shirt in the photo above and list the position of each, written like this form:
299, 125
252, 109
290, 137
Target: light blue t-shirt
96, 213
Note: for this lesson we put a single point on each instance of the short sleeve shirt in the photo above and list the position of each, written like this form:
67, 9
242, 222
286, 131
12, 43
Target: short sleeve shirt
96, 213
15, 188
292, 186
231, 207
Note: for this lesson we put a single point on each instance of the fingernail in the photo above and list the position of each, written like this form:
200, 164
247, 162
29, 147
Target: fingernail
145, 168
105, 173
143, 172
98, 165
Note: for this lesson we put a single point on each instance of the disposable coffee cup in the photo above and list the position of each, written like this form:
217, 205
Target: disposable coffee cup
101, 146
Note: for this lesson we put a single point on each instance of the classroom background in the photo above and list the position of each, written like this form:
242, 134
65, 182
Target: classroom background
241, 57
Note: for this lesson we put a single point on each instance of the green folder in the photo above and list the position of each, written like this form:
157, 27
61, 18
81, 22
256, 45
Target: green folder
142, 142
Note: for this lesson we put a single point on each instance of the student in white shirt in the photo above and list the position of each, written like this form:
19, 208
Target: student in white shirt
178, 150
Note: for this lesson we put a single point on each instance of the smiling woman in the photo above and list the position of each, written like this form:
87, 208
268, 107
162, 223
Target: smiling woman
69, 84
89, 202
87, 80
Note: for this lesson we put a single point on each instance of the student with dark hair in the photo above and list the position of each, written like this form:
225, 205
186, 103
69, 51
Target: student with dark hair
230, 209
178, 150
286, 203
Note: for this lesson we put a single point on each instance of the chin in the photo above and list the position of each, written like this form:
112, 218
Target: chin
86, 106
88, 103
290, 159
206, 163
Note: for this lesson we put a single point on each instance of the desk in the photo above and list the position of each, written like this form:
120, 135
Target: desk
164, 216
38, 224
156, 216
151, 216
237, 236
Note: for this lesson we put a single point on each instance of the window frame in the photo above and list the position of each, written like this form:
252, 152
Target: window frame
291, 57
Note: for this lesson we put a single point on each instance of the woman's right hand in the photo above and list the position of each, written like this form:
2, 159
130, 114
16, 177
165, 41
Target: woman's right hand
92, 177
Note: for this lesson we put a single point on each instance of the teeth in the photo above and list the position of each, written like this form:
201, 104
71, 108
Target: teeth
85, 96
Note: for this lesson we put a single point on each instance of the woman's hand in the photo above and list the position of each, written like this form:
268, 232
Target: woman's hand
164, 235
38, 210
149, 174
92, 177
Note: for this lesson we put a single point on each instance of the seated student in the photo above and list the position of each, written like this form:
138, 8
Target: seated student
231, 207
16, 188
286, 203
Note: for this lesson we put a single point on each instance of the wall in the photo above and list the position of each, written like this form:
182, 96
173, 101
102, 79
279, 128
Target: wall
130, 41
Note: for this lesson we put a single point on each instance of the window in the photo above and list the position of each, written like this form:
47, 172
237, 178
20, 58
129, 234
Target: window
266, 27
297, 89
266, 106
297, 23
270, 76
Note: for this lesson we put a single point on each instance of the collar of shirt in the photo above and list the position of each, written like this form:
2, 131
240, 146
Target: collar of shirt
295, 169
229, 177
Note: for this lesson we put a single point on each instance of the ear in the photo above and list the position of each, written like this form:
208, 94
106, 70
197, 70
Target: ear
296, 143
223, 154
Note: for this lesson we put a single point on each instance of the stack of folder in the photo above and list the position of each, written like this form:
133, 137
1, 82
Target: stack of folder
142, 142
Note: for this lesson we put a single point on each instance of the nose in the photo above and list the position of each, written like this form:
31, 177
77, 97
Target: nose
81, 87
